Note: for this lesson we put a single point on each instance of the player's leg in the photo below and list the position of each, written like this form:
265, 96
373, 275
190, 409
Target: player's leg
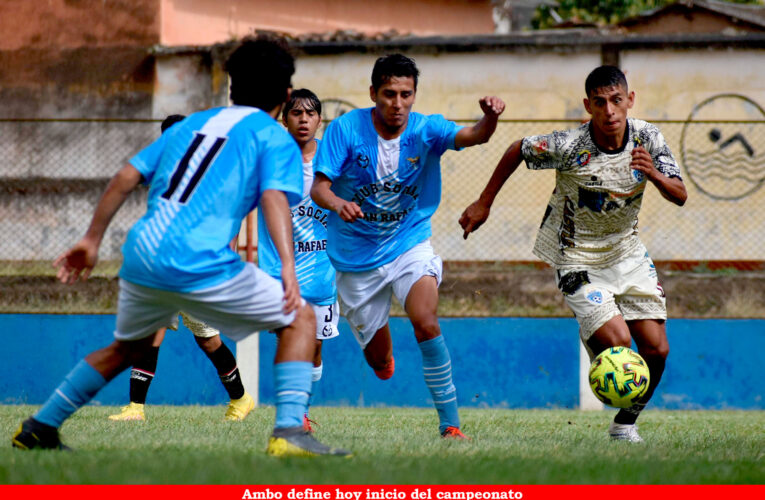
141, 376
78, 387
251, 302
651, 338
416, 275
365, 298
208, 339
139, 316
379, 353
421, 307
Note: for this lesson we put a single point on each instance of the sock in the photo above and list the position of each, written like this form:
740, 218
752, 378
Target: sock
630, 415
142, 374
437, 367
293, 387
316, 372
78, 387
225, 363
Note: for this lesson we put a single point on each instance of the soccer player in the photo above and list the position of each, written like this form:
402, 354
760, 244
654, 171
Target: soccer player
378, 171
205, 176
315, 274
589, 231
208, 339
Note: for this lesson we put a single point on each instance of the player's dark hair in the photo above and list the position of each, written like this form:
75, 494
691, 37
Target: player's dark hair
305, 97
393, 65
604, 76
261, 71
170, 121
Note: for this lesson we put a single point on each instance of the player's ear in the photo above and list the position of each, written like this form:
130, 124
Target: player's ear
372, 93
630, 99
586, 103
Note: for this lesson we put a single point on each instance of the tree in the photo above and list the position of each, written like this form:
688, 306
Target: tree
600, 12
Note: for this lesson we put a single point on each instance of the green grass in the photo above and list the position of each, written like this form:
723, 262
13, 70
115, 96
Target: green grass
191, 445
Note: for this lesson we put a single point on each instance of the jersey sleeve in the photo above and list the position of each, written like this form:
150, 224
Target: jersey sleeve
653, 141
333, 151
281, 167
147, 160
441, 133
543, 151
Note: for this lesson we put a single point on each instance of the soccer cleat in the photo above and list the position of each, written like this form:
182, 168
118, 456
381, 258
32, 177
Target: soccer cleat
387, 372
297, 442
239, 408
624, 432
307, 423
36, 435
133, 411
454, 433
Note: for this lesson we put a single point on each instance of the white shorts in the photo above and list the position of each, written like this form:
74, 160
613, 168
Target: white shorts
326, 320
365, 297
249, 302
198, 328
629, 288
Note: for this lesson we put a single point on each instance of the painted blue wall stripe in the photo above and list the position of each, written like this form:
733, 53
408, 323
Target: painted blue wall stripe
497, 362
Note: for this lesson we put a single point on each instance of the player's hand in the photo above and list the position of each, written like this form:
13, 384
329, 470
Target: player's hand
292, 298
349, 211
642, 162
77, 262
492, 106
473, 217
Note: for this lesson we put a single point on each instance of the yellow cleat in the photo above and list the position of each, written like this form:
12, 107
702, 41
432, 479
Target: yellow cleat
297, 442
133, 411
239, 408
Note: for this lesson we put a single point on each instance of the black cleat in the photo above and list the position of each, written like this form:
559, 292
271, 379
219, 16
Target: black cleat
36, 435
297, 442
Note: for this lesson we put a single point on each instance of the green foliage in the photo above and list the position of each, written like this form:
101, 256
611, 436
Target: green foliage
192, 445
602, 12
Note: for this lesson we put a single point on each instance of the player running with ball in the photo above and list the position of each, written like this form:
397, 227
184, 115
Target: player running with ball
589, 231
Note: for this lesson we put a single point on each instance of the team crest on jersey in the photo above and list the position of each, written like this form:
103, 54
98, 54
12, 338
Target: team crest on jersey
362, 160
638, 175
583, 158
413, 161
326, 331
593, 295
540, 146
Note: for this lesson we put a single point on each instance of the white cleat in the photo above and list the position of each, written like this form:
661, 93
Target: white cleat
624, 432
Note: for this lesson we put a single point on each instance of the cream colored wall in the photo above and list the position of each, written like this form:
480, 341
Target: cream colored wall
550, 86
540, 86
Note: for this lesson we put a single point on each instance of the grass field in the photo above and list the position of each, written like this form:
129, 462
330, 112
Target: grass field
191, 445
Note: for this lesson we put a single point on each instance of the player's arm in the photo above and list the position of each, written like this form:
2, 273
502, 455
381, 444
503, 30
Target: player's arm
78, 261
276, 213
476, 214
321, 192
671, 188
480, 133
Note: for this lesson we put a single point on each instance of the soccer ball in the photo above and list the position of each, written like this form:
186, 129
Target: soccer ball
619, 377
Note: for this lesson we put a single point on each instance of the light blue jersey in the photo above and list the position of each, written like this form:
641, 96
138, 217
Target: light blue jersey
315, 273
205, 174
396, 183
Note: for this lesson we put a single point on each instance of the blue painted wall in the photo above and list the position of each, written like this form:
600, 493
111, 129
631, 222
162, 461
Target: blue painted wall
498, 362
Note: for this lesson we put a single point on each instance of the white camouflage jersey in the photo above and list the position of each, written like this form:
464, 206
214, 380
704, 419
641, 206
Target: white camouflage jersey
592, 216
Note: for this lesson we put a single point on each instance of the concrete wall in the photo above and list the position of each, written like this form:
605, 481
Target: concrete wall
495, 363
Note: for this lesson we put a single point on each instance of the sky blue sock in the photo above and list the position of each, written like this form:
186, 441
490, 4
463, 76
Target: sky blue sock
437, 367
293, 387
78, 387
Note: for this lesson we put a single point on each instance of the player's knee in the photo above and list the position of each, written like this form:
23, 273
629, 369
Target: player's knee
659, 350
426, 328
305, 320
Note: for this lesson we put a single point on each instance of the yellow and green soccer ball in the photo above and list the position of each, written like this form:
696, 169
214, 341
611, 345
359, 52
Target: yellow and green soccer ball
619, 377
